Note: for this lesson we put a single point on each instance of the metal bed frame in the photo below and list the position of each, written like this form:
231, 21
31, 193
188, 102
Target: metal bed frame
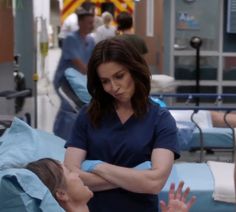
5, 121
193, 99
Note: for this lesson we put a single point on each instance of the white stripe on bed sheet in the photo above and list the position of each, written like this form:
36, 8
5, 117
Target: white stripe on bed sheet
203, 117
223, 174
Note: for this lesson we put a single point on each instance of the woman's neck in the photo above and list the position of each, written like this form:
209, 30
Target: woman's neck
123, 106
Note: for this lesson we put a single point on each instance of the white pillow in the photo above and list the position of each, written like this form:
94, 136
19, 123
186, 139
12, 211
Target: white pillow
203, 117
162, 83
22, 144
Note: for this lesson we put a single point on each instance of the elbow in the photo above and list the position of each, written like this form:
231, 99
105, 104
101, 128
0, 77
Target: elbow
154, 187
151, 190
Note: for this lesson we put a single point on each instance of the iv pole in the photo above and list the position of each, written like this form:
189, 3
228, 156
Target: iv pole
196, 43
35, 74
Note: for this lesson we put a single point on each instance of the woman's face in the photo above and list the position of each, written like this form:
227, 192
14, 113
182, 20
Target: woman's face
75, 188
117, 81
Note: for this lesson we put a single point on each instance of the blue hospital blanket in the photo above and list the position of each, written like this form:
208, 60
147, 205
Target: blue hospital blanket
201, 182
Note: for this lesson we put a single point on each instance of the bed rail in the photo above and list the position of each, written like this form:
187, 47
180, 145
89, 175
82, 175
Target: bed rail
190, 104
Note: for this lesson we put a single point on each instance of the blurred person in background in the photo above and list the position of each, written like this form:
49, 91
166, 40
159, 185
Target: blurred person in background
106, 30
76, 51
125, 31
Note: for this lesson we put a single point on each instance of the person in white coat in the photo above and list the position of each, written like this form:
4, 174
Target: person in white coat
106, 30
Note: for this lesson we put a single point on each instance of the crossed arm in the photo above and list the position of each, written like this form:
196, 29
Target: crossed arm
73, 159
106, 176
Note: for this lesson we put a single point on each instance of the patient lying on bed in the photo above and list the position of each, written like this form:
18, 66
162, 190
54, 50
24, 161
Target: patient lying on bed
73, 195
66, 187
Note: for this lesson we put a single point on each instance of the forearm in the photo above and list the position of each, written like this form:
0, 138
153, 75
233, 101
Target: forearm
147, 181
80, 66
73, 159
95, 182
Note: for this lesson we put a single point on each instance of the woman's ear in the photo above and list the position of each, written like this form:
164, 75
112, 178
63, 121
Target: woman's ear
61, 195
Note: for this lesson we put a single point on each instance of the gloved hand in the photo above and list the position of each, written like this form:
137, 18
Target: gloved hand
90, 165
144, 166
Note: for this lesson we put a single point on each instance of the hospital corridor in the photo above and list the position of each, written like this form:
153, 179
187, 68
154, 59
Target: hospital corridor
118, 105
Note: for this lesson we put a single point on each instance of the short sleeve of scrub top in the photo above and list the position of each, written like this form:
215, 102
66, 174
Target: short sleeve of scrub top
70, 47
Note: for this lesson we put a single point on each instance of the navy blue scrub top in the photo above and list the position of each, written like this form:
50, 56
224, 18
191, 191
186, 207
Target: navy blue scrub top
126, 145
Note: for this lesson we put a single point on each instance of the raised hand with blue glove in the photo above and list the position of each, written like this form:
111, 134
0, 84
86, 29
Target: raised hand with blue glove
90, 165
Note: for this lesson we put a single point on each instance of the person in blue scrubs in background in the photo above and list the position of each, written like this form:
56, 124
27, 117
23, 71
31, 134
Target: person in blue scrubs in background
76, 51
119, 129
77, 47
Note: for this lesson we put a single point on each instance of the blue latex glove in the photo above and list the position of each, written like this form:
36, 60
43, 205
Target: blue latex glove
144, 166
90, 165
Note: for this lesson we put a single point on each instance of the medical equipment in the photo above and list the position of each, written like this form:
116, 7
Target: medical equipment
5, 120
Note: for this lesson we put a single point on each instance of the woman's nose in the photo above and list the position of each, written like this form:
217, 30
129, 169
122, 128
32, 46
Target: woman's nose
114, 86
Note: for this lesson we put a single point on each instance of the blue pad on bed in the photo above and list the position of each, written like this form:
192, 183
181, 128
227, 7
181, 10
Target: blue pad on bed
21, 190
185, 134
199, 178
78, 83
22, 144
217, 138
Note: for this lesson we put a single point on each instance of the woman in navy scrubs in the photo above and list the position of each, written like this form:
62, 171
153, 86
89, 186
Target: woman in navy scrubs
119, 129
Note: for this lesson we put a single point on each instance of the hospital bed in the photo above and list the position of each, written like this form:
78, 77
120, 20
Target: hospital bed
21, 190
194, 121
5, 120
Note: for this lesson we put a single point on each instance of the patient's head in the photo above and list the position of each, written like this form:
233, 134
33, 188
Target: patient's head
65, 186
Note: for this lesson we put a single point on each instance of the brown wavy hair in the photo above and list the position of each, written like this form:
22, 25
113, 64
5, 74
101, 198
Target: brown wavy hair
50, 172
119, 51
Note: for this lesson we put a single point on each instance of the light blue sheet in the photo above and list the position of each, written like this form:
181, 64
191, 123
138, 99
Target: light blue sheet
217, 138
21, 190
213, 138
22, 144
78, 83
200, 180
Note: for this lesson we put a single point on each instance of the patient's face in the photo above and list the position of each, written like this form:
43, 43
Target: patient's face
76, 190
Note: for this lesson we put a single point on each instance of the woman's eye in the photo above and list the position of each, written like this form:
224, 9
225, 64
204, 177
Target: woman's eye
104, 81
119, 76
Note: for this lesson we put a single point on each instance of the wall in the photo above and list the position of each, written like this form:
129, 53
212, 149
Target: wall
167, 38
6, 35
24, 40
155, 43
6, 56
